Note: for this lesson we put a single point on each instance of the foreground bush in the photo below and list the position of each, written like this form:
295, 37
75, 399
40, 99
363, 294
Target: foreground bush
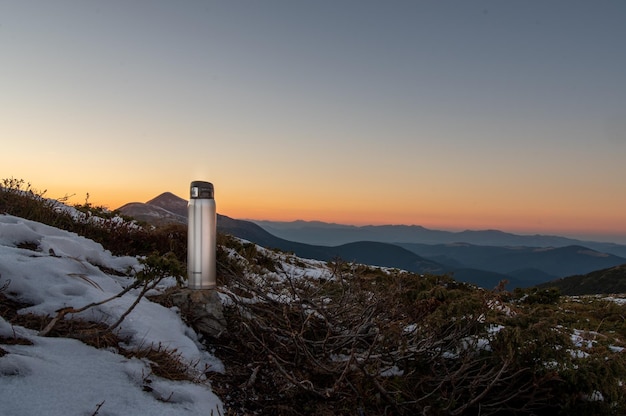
118, 234
371, 341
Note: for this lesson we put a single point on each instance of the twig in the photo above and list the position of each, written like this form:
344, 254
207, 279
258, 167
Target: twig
69, 310
304, 384
252, 378
98, 406
148, 285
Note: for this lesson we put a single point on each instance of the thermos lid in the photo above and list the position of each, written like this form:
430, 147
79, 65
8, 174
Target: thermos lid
201, 190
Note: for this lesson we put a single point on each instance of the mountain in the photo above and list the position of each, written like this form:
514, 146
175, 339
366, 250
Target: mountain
530, 264
487, 279
484, 266
151, 214
316, 232
374, 253
383, 254
366, 252
167, 208
606, 281
170, 202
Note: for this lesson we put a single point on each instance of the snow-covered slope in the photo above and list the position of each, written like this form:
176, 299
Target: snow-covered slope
49, 269
45, 269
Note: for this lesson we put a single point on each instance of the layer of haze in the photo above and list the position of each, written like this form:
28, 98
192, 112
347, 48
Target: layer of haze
447, 114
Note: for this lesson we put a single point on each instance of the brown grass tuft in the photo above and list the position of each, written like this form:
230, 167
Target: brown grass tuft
165, 362
91, 333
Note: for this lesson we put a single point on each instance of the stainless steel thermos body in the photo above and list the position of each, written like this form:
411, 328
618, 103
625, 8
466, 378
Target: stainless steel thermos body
201, 244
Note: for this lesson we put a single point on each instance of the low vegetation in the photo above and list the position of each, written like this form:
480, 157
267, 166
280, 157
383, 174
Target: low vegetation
611, 280
121, 236
365, 340
116, 233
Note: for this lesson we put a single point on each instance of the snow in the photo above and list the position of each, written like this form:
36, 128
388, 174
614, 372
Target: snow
580, 341
619, 301
291, 266
50, 269
59, 376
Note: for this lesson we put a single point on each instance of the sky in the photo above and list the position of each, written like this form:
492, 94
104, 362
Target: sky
452, 115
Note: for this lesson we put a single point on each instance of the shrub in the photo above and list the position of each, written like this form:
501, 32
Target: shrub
390, 342
120, 235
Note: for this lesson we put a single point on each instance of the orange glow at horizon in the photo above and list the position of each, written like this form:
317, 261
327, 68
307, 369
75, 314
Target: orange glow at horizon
360, 211
531, 220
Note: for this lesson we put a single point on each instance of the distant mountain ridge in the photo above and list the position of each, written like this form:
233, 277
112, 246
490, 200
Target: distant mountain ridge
156, 212
482, 265
530, 264
317, 232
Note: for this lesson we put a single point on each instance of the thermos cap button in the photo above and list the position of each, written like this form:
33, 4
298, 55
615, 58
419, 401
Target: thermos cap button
201, 190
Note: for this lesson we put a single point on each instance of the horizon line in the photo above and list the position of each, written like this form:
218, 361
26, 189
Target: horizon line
573, 235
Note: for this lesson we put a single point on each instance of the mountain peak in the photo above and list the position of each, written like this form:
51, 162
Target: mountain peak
170, 202
166, 197
166, 208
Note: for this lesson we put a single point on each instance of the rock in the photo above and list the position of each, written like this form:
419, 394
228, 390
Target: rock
202, 309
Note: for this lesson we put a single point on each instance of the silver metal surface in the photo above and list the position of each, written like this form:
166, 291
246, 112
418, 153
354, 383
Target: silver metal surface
201, 238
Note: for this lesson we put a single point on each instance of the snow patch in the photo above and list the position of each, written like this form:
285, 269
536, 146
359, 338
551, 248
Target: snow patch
59, 376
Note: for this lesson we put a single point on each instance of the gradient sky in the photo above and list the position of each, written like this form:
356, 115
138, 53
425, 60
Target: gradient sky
446, 114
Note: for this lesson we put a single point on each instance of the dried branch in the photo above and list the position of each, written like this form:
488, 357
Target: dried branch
345, 338
69, 310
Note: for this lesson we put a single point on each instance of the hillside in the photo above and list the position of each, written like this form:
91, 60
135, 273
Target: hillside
366, 252
151, 214
81, 368
170, 202
373, 253
530, 264
83, 331
605, 281
484, 266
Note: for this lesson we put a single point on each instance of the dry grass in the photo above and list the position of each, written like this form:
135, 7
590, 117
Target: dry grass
165, 362
164, 298
8, 310
91, 333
